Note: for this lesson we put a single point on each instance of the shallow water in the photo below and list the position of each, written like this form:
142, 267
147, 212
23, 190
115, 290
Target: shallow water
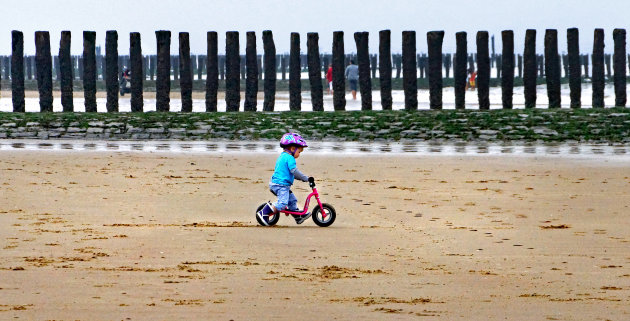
398, 100
594, 151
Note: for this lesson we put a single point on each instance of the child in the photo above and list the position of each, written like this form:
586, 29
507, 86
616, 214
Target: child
282, 179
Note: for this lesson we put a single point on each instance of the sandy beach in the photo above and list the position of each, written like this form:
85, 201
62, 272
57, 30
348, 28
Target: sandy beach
124, 235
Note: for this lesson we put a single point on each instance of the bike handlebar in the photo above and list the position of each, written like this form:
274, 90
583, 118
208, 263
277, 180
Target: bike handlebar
311, 182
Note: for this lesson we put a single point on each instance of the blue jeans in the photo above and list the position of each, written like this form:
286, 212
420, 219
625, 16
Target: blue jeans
286, 198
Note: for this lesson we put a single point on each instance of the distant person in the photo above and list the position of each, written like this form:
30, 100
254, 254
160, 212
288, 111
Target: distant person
352, 73
471, 82
329, 79
125, 82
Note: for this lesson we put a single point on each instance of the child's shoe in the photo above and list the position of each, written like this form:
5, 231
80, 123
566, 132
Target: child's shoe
299, 219
264, 213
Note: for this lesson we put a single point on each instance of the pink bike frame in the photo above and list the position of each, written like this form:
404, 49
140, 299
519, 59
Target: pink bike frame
308, 200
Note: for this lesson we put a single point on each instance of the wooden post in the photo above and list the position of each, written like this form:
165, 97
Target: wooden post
43, 63
447, 61
185, 69
270, 71
200, 66
283, 66
410, 80
338, 66
295, 83
619, 65
363, 57
460, 70
56, 69
152, 66
17, 71
598, 69
483, 76
499, 63
314, 71
373, 65
507, 64
585, 62
575, 67
65, 70
242, 65
259, 65
434, 43
251, 83
175, 65
137, 76
111, 70
145, 67
608, 62
552, 68
530, 69
385, 68
89, 71
212, 72
29, 67
222, 67
163, 71
232, 68
520, 65
398, 63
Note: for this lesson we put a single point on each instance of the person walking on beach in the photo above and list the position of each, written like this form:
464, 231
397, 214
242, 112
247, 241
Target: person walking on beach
352, 73
329, 79
283, 176
471, 81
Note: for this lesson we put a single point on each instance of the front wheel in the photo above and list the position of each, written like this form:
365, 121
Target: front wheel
324, 217
273, 218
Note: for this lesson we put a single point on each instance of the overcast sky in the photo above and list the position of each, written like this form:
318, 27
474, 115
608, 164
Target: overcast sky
322, 16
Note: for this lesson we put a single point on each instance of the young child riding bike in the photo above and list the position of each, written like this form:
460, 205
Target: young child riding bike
285, 172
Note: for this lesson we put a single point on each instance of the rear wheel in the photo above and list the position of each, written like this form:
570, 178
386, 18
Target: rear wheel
273, 218
324, 216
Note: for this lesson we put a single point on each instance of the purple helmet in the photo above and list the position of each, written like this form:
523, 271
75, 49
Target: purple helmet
289, 139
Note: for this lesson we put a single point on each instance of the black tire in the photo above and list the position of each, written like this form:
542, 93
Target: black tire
273, 218
331, 214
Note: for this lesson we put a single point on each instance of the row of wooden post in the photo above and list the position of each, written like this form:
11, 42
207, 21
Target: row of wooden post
232, 66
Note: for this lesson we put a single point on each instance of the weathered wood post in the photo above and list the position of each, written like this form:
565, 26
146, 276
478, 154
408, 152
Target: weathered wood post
295, 83
565, 65
17, 71
338, 65
242, 65
212, 72
270, 71
398, 63
530, 68
483, 66
175, 65
585, 63
29, 67
460, 70
410, 80
89, 70
283, 66
111, 70
163, 71
608, 63
65, 69
447, 60
598, 69
363, 57
152, 67
498, 59
552, 68
222, 67
186, 75
200, 66
137, 76
314, 71
251, 83
619, 65
520, 65
575, 67
56, 69
43, 63
232, 69
434, 43
260, 67
385, 68
507, 64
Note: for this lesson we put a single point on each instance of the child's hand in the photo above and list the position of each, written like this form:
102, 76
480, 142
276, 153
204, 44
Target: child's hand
311, 179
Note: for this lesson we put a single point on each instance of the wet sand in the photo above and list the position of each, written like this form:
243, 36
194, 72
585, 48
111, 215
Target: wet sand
109, 235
